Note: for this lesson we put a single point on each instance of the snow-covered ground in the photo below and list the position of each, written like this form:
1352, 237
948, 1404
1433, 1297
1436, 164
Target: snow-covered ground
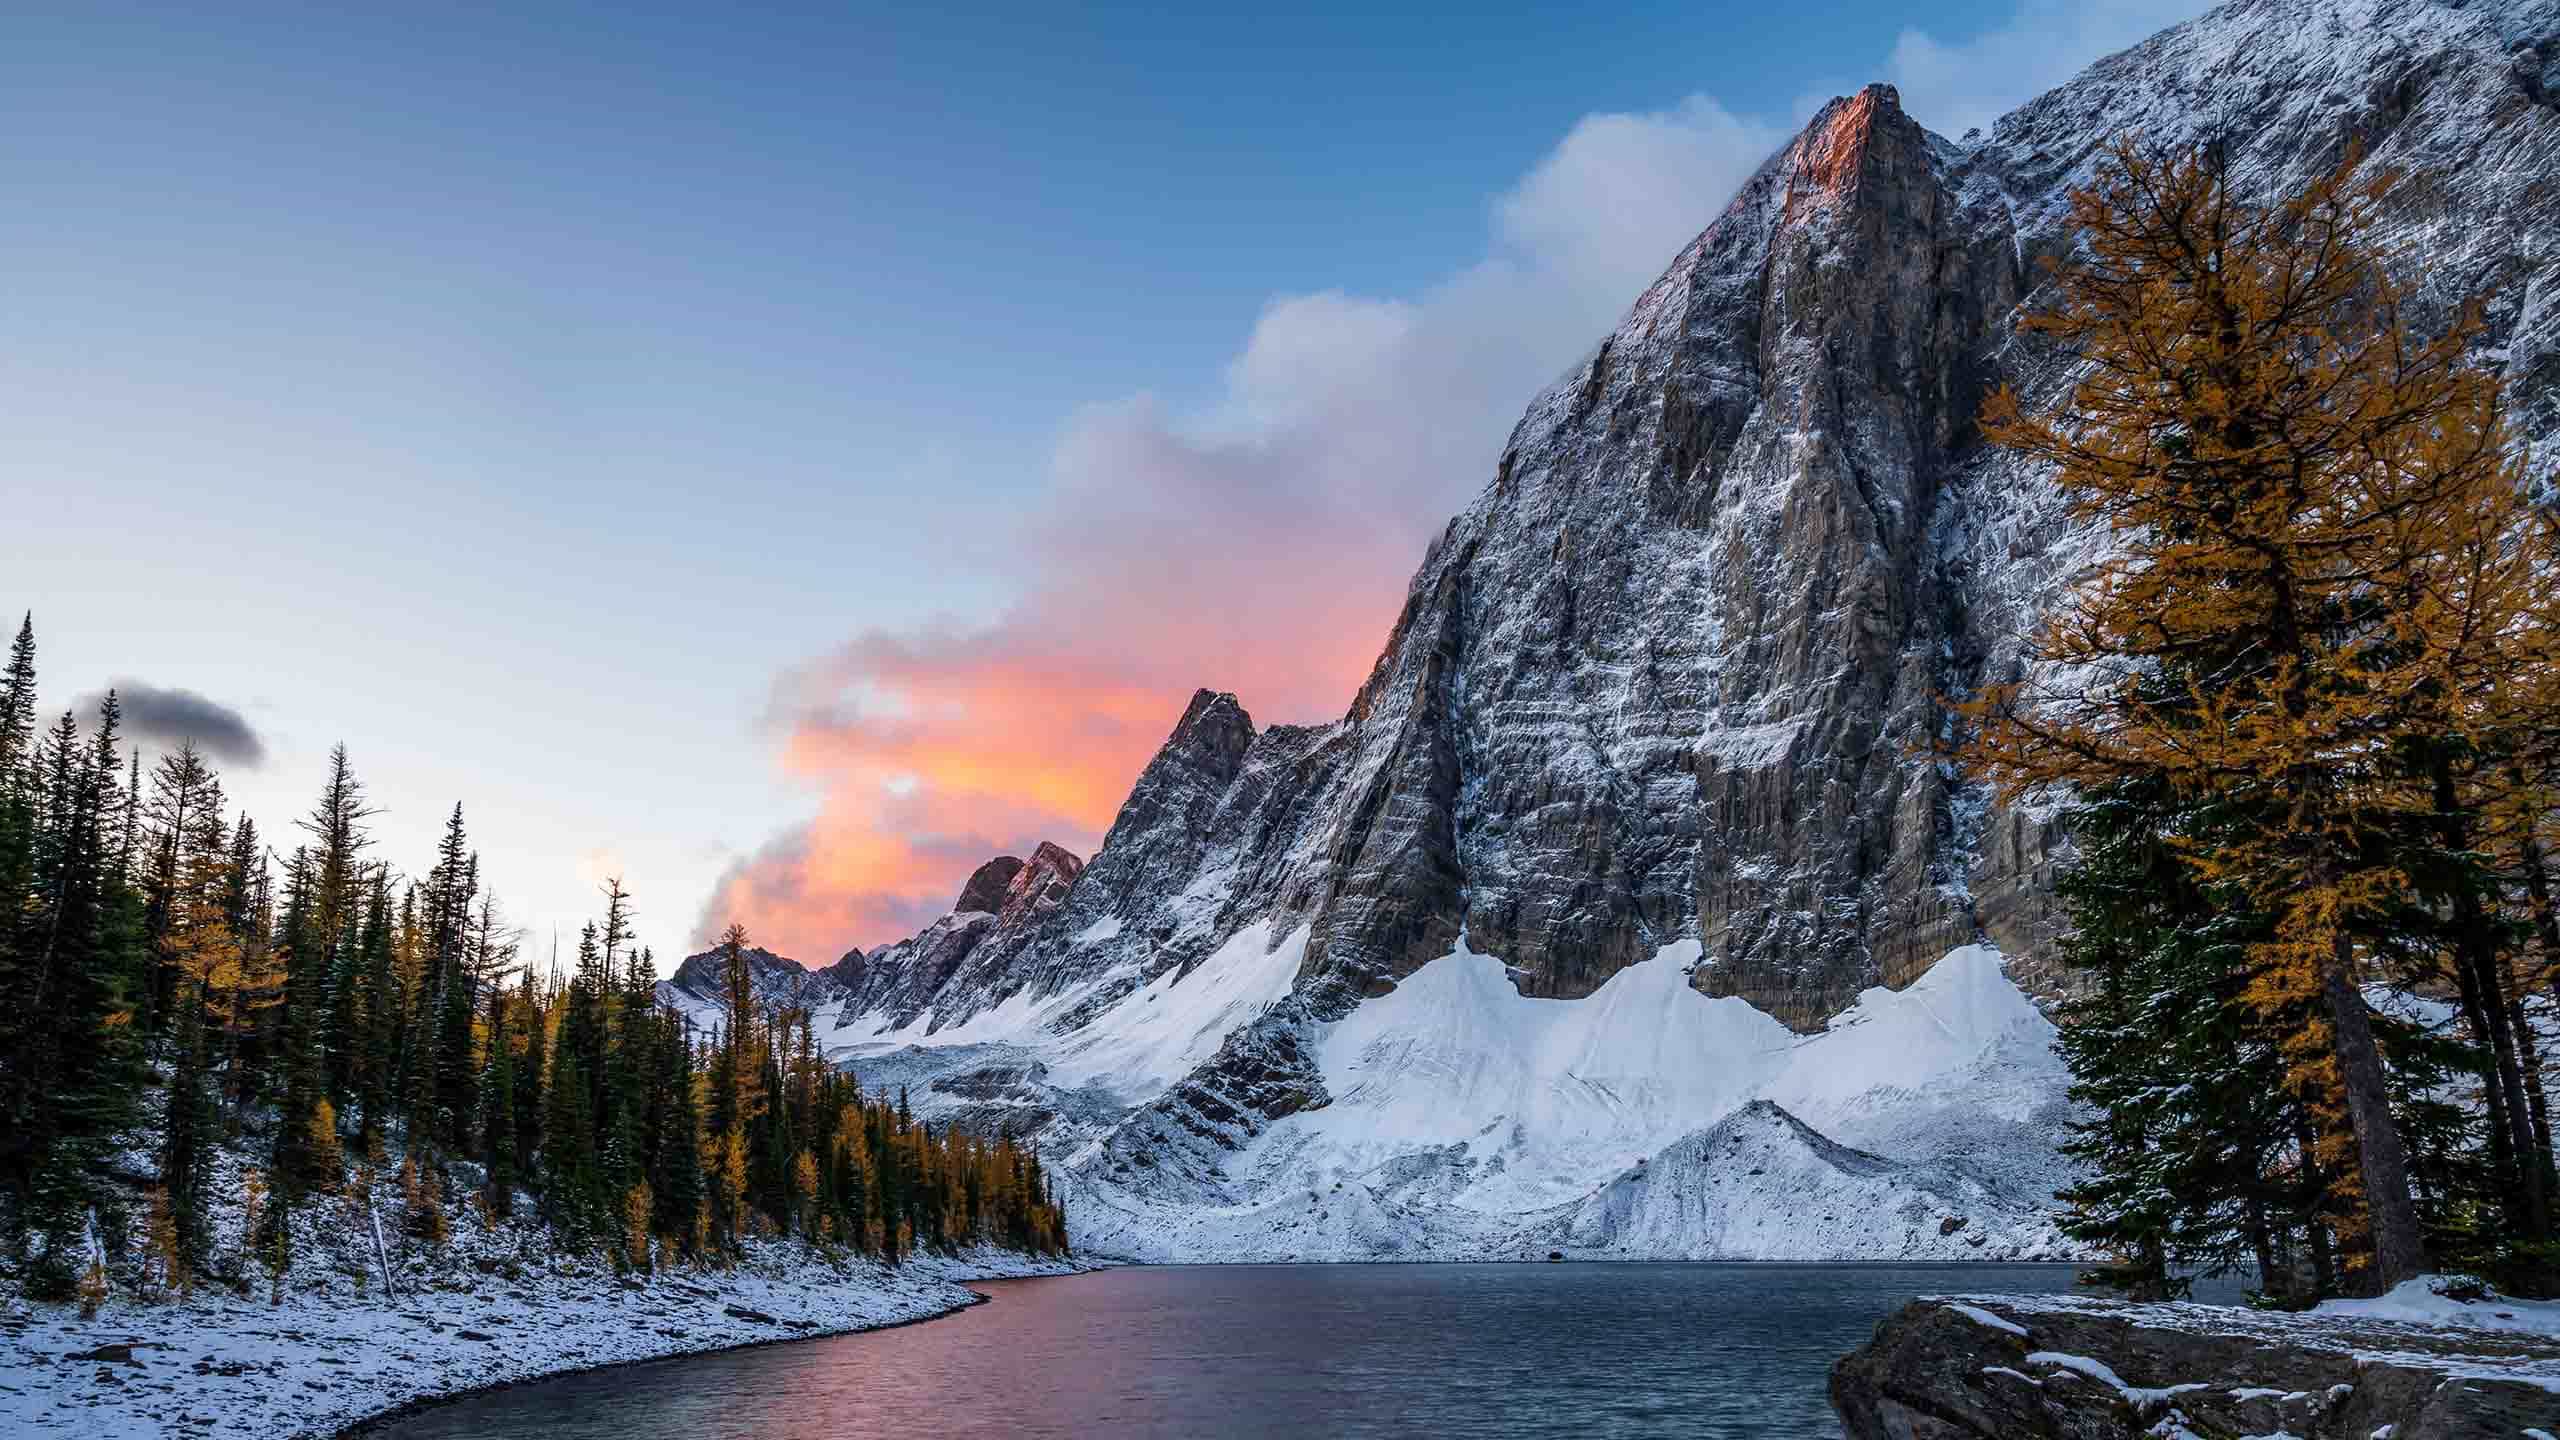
492, 1304
2431, 1300
221, 1365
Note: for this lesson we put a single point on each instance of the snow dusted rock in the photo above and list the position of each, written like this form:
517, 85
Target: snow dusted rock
699, 985
1039, 886
2016, 1367
1655, 723
1706, 1198
1004, 903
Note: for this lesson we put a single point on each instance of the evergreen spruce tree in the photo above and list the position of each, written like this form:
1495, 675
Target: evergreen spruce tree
498, 1122
676, 1180
533, 1080
246, 1010
378, 1015
2187, 1152
19, 789
84, 1082
569, 1195
183, 790
320, 924
457, 1073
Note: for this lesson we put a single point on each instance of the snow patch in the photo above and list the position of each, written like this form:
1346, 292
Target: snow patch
1980, 1316
2422, 1301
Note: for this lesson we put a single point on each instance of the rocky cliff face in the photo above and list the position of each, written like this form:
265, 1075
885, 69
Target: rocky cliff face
1675, 677
1004, 904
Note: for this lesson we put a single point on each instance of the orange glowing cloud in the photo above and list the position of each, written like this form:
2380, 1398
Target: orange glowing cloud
1159, 565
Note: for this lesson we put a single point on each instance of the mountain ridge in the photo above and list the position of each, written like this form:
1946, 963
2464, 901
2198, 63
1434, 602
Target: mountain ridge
1669, 688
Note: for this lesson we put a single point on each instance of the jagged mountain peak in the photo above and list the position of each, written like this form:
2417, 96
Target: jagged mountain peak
984, 892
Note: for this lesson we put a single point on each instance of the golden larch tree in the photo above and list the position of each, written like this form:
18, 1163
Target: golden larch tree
2320, 552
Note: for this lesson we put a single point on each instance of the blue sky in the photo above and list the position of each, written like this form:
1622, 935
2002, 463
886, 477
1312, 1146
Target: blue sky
564, 404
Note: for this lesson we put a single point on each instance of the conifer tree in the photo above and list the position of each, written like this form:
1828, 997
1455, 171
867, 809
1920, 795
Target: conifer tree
569, 1195
676, 1180
533, 1081
498, 1125
379, 1012
183, 790
456, 1066
327, 892
19, 789
251, 990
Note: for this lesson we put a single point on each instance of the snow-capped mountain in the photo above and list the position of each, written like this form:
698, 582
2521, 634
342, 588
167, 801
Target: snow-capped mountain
1625, 911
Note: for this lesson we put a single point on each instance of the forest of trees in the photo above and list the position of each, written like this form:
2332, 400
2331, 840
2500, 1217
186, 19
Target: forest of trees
2306, 716
170, 986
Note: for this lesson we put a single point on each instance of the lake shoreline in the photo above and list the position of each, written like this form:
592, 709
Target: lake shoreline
333, 1359
374, 1424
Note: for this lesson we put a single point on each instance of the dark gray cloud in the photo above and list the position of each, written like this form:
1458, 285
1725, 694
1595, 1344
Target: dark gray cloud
167, 716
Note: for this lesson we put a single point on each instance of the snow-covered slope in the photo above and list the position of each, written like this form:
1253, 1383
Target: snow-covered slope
371, 1317
1628, 873
1463, 1120
223, 1366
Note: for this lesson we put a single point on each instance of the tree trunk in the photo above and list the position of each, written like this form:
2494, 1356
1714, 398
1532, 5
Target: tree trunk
2505, 1158
2504, 1047
2263, 1247
2399, 1251
2546, 919
2529, 1053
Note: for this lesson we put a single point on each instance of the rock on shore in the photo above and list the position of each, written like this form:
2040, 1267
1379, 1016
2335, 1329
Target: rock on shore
2074, 1368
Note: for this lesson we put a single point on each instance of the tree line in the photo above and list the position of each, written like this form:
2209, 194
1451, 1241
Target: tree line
2306, 717
172, 986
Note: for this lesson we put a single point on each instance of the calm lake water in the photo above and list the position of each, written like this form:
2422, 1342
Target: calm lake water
1403, 1351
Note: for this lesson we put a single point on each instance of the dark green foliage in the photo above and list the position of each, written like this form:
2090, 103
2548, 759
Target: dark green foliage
2196, 1155
498, 1128
189, 1125
75, 1067
2189, 1149
571, 1198
532, 1081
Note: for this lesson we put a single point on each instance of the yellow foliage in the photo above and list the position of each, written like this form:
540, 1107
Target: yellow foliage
637, 1204
2322, 552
